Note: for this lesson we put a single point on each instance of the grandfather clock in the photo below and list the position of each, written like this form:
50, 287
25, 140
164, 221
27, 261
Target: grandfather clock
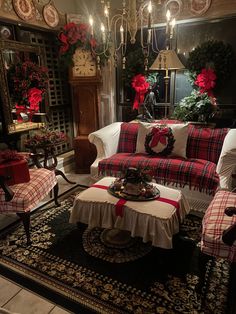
85, 82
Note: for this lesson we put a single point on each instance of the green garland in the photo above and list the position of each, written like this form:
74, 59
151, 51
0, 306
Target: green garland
212, 54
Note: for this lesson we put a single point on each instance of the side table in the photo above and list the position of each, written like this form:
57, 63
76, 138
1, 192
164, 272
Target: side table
49, 158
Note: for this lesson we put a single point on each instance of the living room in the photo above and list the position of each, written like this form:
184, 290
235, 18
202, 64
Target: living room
117, 106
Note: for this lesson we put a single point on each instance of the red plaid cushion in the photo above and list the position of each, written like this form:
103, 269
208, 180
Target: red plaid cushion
128, 137
196, 173
205, 143
28, 195
214, 223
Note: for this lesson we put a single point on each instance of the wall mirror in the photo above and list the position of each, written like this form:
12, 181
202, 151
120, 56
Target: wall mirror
12, 53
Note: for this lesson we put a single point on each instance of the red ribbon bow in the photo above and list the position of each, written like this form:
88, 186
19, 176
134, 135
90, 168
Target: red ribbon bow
158, 135
141, 86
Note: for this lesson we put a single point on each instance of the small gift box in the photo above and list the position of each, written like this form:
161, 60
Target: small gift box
14, 167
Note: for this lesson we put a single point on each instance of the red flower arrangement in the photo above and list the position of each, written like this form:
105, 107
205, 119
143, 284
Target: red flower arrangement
28, 84
73, 36
45, 137
206, 81
141, 86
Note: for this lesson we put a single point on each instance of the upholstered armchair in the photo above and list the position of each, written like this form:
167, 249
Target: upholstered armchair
21, 198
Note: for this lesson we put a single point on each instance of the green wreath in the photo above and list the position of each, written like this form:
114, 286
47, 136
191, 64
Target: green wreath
167, 150
212, 54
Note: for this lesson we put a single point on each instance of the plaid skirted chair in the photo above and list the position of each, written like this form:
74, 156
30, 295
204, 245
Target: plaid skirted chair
19, 197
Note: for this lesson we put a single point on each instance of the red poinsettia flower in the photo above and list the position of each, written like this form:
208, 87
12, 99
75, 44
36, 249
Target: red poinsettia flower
206, 81
34, 98
141, 86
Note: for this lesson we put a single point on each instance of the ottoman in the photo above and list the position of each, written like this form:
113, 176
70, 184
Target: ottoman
156, 220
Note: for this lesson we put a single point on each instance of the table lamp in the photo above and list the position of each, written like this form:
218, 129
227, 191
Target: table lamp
167, 60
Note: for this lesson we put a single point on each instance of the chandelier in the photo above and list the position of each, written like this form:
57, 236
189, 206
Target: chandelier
114, 33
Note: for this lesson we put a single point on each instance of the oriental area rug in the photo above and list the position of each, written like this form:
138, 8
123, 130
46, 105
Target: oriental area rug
57, 266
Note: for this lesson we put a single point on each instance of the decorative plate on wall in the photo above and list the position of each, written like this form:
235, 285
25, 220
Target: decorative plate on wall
24, 9
50, 15
175, 7
199, 7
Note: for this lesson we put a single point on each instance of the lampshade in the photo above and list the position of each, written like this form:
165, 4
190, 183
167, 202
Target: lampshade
167, 59
40, 117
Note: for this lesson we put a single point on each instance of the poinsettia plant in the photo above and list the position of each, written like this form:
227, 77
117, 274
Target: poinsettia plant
28, 83
73, 36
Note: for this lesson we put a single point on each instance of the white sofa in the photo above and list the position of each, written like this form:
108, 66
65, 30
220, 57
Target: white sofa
106, 141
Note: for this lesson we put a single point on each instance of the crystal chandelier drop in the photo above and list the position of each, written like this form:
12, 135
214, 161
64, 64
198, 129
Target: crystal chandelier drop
116, 31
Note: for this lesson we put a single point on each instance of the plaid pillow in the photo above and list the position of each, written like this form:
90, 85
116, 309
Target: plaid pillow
128, 137
205, 143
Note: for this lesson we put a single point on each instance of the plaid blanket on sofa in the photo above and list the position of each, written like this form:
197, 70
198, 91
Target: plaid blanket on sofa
198, 171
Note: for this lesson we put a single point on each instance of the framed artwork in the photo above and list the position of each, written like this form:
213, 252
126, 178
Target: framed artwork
50, 15
175, 7
24, 9
199, 7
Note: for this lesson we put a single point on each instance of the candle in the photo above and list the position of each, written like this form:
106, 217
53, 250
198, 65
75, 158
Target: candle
103, 33
91, 24
149, 36
149, 14
168, 21
106, 12
122, 34
172, 28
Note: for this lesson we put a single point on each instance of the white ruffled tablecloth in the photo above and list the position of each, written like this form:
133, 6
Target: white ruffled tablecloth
156, 221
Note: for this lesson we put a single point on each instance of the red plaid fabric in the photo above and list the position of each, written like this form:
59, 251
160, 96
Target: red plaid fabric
205, 143
28, 195
128, 137
214, 223
196, 173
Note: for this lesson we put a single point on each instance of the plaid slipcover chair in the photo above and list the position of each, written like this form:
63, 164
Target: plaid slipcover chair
21, 198
198, 171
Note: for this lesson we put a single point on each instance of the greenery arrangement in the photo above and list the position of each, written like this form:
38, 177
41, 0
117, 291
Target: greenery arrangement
212, 54
209, 65
195, 107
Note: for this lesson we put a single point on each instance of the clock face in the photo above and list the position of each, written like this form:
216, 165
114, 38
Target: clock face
84, 63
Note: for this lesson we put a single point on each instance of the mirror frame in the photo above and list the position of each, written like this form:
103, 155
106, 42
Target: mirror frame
8, 125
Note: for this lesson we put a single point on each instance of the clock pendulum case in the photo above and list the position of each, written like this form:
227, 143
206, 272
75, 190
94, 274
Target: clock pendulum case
85, 83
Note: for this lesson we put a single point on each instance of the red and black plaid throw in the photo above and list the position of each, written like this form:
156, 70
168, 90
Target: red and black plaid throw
197, 173
205, 143
128, 137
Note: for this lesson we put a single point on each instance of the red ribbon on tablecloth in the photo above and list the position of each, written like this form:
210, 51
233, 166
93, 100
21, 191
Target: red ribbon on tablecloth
119, 206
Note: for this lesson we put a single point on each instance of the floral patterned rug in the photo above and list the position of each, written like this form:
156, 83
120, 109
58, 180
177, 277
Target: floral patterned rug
163, 281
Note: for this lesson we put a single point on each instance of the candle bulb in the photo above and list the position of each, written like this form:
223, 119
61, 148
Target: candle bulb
122, 34
91, 24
